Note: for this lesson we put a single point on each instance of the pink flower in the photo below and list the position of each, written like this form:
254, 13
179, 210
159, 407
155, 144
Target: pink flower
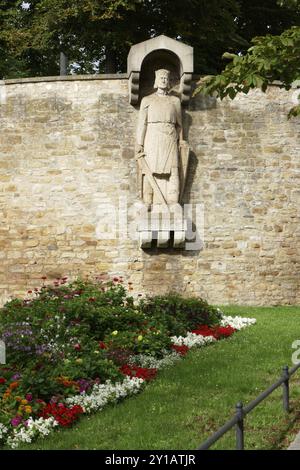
16, 421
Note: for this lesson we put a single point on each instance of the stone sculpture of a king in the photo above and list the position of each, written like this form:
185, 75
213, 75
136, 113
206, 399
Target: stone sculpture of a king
159, 137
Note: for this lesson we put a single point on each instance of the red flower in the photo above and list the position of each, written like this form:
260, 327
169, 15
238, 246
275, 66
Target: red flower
139, 372
102, 345
217, 332
203, 330
62, 414
2, 380
224, 332
77, 347
182, 350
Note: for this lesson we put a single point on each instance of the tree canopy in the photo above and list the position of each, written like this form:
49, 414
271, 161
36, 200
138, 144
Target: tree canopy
96, 34
270, 58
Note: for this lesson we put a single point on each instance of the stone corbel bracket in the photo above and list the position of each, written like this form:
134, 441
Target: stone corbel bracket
162, 229
139, 52
185, 88
134, 87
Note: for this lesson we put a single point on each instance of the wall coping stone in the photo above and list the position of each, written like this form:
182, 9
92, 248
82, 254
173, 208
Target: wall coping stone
65, 78
110, 76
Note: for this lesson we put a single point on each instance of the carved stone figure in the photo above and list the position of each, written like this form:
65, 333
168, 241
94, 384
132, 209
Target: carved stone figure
159, 134
162, 153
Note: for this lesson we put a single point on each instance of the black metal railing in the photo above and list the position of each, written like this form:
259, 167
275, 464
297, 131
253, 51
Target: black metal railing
242, 411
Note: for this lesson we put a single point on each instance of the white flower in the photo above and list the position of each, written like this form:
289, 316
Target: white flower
237, 322
25, 434
191, 340
151, 362
3, 431
103, 394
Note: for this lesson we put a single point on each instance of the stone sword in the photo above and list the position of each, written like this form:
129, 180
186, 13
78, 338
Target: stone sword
140, 157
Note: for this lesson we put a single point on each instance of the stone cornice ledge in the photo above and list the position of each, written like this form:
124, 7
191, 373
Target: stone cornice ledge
111, 76
67, 78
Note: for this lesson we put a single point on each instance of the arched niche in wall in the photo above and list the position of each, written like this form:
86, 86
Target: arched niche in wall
160, 52
159, 59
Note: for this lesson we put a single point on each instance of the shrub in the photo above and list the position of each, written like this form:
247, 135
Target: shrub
179, 314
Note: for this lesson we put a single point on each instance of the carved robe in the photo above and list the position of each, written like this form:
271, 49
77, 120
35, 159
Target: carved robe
158, 127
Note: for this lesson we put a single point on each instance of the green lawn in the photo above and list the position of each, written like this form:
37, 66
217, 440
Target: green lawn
190, 400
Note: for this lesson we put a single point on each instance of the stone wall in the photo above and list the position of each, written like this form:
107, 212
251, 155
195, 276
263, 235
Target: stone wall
67, 160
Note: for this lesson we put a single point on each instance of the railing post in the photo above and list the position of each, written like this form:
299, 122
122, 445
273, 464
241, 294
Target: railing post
239, 427
286, 391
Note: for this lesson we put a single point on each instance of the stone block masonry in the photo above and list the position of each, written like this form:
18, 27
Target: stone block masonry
67, 162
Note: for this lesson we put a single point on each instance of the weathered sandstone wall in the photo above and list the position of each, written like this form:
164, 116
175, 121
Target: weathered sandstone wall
67, 164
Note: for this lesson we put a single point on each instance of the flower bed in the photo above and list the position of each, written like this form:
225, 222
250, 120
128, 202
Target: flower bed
73, 348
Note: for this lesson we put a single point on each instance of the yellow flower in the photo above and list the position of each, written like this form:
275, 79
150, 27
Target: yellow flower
28, 409
140, 338
79, 361
114, 333
24, 402
96, 352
